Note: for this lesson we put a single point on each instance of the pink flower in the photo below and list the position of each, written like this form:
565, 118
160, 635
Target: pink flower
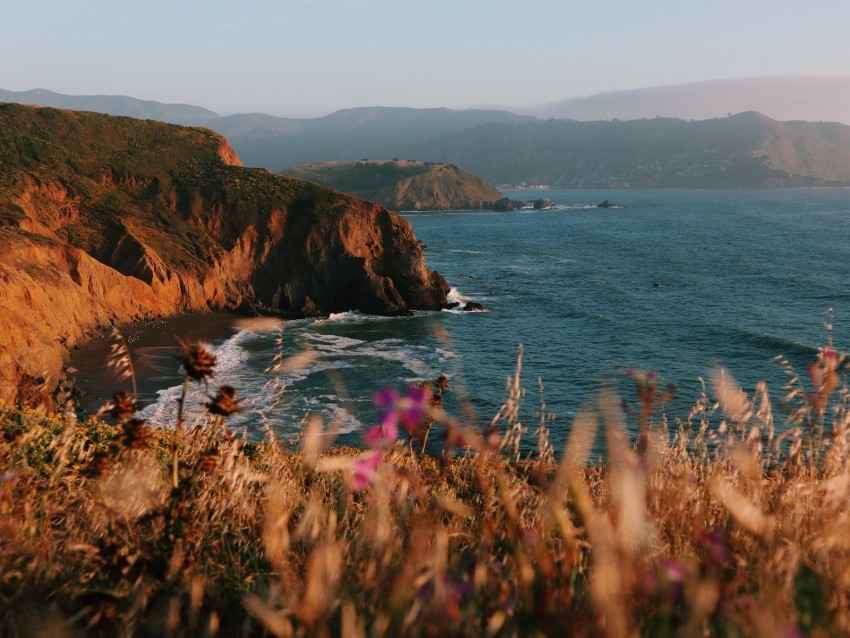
386, 398
364, 469
412, 407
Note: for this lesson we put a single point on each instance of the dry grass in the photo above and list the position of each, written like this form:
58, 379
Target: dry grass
720, 527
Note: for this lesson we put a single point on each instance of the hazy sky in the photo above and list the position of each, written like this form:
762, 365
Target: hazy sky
311, 57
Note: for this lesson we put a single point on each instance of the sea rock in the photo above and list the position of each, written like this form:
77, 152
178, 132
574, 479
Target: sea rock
541, 204
109, 219
472, 306
507, 204
607, 204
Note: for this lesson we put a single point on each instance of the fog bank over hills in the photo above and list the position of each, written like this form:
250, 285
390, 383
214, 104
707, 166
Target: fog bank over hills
810, 98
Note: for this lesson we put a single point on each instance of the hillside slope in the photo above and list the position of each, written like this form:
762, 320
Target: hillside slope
403, 185
814, 98
747, 150
106, 219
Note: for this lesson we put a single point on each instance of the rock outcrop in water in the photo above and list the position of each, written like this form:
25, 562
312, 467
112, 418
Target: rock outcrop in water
109, 219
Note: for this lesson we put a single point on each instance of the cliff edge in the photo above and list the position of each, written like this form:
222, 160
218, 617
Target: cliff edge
107, 219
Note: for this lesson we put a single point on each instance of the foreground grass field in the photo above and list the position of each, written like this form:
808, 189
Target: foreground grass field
712, 525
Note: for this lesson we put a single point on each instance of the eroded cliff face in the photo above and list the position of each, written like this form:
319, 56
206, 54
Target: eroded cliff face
106, 219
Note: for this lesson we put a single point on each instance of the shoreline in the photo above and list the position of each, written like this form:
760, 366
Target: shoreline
154, 350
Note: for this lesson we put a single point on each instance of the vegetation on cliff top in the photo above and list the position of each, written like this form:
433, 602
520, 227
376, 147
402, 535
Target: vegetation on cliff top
403, 185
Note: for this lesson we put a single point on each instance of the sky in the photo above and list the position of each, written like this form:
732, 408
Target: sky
304, 58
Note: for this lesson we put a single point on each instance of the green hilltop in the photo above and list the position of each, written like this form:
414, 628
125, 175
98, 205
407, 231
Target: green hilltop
403, 184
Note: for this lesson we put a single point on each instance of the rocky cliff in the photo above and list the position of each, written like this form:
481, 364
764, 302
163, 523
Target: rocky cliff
107, 219
404, 185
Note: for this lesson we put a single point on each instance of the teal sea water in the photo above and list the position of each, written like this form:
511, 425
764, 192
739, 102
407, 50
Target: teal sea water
677, 282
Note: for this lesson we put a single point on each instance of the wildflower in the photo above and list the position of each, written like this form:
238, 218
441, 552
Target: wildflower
717, 546
364, 469
413, 406
135, 435
386, 399
122, 406
675, 571
385, 433
223, 402
198, 360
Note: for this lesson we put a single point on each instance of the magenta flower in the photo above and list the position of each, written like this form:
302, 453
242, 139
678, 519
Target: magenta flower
412, 407
364, 469
384, 434
386, 399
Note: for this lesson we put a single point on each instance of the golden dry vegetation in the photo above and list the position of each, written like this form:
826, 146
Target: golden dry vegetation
713, 525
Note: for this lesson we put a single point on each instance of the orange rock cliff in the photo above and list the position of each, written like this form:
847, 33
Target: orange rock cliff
109, 219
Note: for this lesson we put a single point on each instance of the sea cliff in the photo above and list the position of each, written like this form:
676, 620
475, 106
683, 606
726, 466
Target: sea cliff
109, 219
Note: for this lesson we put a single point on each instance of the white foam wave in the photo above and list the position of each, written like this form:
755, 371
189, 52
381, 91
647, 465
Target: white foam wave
230, 369
455, 296
324, 342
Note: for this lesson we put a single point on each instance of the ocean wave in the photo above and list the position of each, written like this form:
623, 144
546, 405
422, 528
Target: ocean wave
230, 369
455, 296
777, 345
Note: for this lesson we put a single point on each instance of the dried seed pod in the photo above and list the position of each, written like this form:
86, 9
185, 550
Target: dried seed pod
198, 360
99, 466
224, 402
123, 406
135, 435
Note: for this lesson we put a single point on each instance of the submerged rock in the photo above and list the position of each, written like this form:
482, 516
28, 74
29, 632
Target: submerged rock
472, 306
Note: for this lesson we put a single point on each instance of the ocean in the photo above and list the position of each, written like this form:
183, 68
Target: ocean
678, 282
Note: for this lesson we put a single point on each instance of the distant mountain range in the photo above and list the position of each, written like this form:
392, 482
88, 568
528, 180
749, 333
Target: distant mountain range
747, 150
810, 98
744, 150
113, 105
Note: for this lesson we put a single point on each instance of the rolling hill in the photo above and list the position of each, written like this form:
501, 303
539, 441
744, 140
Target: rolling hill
403, 185
747, 150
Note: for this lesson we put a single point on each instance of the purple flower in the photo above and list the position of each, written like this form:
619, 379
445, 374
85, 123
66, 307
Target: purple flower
386, 399
718, 550
413, 406
364, 468
675, 571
